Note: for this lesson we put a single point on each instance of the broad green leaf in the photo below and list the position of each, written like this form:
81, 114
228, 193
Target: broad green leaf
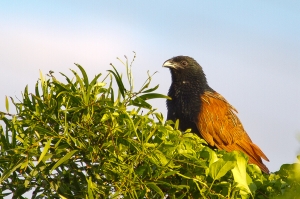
222, 166
158, 158
252, 186
239, 171
140, 170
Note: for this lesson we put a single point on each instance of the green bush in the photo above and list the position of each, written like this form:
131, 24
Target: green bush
85, 139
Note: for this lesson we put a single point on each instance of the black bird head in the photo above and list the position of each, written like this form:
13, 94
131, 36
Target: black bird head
186, 70
188, 84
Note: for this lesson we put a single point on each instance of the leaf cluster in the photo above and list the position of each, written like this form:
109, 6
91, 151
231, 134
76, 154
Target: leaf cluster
87, 139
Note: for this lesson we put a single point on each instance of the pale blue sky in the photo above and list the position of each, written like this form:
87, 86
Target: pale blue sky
250, 52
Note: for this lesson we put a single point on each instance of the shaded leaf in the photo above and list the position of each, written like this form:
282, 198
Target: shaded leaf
154, 187
151, 89
153, 96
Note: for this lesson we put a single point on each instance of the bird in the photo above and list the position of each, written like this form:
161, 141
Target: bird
206, 112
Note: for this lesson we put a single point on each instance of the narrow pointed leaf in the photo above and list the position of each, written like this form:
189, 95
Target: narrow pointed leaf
119, 82
153, 186
46, 148
63, 159
151, 89
153, 96
6, 104
7, 173
85, 77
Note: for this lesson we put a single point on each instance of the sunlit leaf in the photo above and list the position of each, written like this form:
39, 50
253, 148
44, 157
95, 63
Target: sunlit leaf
63, 159
45, 150
6, 104
239, 171
219, 168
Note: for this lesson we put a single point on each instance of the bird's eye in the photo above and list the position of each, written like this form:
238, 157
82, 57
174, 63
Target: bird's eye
184, 63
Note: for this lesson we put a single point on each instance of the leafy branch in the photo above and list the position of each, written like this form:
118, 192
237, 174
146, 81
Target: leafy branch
76, 139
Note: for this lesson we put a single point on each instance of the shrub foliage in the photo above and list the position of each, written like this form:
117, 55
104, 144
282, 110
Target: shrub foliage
100, 139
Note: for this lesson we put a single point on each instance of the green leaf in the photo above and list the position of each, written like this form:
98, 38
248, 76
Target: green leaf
85, 77
222, 166
176, 124
153, 96
154, 187
46, 148
42, 131
63, 159
169, 174
151, 89
139, 102
160, 157
61, 196
90, 188
6, 104
8, 172
118, 80
73, 88
105, 117
239, 171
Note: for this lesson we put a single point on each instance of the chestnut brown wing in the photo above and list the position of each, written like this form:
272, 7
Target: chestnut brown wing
219, 125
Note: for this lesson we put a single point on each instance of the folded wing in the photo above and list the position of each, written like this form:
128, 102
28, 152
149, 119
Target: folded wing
219, 125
